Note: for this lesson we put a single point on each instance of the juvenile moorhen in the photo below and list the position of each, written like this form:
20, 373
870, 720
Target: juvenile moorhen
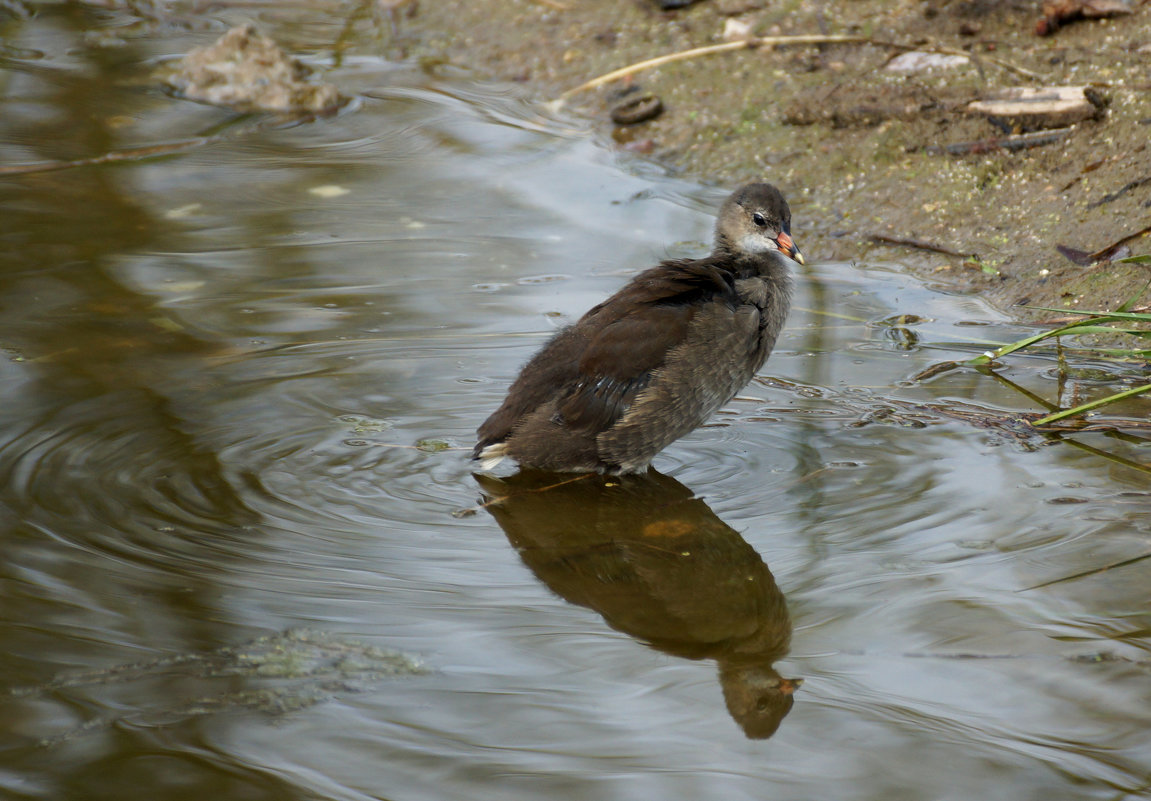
657, 358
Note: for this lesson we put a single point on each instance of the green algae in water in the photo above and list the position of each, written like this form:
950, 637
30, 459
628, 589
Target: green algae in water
288, 671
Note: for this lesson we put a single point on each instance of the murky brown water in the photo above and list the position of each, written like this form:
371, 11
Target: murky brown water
233, 414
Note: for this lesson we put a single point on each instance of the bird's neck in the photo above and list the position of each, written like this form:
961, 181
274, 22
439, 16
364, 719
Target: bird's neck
771, 266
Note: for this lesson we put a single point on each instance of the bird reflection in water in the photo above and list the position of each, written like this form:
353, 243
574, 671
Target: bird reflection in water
660, 566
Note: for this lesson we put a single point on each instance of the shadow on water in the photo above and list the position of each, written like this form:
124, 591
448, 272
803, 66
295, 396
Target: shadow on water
111, 375
659, 565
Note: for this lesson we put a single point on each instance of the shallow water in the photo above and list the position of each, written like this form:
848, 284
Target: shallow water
243, 555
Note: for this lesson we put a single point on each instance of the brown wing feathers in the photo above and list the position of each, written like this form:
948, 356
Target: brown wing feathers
597, 367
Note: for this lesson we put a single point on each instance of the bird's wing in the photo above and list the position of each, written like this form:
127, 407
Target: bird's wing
595, 369
618, 364
629, 338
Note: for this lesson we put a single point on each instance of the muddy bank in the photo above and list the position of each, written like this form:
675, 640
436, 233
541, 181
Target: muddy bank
862, 150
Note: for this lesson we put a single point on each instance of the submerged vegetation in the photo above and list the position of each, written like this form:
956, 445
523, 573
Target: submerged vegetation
1135, 326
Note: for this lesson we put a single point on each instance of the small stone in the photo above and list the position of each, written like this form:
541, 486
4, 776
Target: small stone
247, 71
919, 61
639, 109
736, 30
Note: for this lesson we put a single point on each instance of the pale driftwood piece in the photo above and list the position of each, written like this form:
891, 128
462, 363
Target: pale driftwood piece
1030, 109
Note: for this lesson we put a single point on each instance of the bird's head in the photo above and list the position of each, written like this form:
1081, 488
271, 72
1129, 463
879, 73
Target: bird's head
755, 221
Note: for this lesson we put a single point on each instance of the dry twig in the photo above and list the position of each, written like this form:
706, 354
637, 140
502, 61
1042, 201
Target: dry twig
1014, 142
696, 52
919, 244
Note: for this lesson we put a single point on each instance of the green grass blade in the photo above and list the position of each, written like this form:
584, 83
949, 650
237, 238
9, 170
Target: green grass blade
1127, 304
1031, 340
1086, 407
1143, 317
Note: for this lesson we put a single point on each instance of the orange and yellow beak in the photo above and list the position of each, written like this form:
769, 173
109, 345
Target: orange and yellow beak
788, 248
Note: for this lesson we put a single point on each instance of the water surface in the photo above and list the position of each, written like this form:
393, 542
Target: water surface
239, 390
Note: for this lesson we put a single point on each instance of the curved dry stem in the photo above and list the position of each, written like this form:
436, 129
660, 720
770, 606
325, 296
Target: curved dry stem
696, 52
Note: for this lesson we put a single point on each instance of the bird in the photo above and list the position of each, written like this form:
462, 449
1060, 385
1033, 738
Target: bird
659, 357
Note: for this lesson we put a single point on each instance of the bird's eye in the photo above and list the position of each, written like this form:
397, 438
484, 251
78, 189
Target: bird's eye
759, 220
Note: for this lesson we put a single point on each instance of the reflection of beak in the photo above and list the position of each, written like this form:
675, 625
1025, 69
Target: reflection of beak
788, 248
789, 686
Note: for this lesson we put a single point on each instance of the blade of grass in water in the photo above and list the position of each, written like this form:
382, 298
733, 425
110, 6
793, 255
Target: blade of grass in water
1076, 327
1143, 317
1092, 323
1130, 302
1086, 407
1086, 573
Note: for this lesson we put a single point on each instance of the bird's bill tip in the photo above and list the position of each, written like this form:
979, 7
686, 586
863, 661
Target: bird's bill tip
788, 248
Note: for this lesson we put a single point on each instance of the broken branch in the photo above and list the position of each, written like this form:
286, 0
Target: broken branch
1016, 142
